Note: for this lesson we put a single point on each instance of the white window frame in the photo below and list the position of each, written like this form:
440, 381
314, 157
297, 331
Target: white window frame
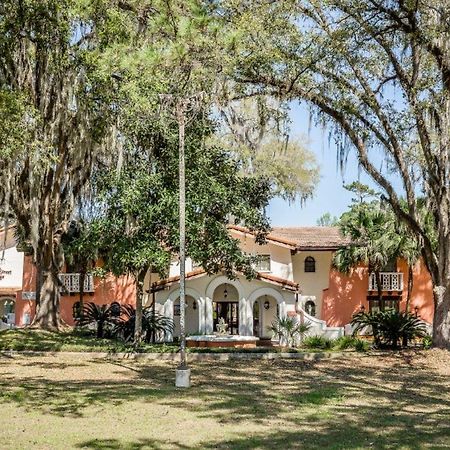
258, 268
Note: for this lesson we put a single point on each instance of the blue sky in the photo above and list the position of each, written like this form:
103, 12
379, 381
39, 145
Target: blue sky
330, 196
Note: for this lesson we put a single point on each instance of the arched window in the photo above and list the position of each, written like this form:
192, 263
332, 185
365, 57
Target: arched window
310, 264
310, 308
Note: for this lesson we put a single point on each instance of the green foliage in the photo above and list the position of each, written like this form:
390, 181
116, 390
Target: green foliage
288, 330
154, 325
327, 220
427, 342
104, 317
318, 342
390, 328
361, 345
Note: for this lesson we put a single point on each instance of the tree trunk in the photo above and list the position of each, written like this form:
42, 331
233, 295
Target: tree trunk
138, 315
441, 322
410, 286
49, 262
47, 314
379, 289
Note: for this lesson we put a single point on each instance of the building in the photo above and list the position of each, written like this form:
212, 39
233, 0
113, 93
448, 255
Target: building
295, 278
11, 275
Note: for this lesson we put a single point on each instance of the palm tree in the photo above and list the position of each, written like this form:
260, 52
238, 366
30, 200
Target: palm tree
374, 240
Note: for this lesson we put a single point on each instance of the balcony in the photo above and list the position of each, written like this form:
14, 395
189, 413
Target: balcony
71, 283
390, 281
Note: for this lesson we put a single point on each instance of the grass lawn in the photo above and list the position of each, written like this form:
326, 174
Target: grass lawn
73, 341
64, 401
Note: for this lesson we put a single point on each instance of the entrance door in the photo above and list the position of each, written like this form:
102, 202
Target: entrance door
229, 312
256, 319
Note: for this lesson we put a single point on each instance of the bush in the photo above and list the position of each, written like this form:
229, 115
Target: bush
427, 342
319, 342
360, 345
154, 325
390, 328
104, 317
345, 342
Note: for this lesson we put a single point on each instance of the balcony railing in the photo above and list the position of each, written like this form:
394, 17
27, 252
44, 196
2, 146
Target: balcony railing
71, 282
390, 281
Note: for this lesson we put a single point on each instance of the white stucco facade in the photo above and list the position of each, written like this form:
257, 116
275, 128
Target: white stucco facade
283, 289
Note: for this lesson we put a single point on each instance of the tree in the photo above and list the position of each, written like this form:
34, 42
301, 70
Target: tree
138, 225
377, 73
374, 240
58, 109
327, 220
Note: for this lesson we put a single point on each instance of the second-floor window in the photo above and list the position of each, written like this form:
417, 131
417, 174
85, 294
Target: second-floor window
263, 263
310, 264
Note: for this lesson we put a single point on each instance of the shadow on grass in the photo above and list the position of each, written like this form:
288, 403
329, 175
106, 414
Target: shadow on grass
385, 402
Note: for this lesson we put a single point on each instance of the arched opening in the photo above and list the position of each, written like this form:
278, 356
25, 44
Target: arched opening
310, 308
310, 264
192, 323
265, 311
226, 307
7, 310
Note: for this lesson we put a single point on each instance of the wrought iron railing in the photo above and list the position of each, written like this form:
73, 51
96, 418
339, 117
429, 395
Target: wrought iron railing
71, 282
390, 281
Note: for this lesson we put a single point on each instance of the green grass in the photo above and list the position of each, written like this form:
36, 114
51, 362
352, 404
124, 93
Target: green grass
77, 401
40, 341
76, 341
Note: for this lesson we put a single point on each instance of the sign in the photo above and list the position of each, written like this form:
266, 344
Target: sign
3, 273
28, 295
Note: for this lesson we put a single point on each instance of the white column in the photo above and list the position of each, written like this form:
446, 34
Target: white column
201, 315
209, 324
168, 312
282, 309
244, 329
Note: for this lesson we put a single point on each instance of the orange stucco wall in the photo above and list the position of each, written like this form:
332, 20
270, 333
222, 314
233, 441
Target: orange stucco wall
347, 293
107, 290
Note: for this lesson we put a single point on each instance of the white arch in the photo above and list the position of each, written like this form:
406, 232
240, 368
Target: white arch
260, 293
173, 297
222, 279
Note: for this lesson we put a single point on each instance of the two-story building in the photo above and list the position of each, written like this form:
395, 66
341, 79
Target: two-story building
295, 278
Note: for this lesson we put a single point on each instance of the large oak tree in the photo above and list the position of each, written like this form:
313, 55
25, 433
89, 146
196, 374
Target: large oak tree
377, 74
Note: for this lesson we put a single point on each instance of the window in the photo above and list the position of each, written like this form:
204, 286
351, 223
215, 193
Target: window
386, 303
263, 263
310, 264
310, 308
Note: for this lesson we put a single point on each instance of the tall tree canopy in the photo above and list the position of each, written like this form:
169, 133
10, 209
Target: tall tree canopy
377, 73
57, 116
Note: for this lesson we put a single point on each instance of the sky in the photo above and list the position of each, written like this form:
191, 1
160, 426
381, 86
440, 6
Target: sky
330, 195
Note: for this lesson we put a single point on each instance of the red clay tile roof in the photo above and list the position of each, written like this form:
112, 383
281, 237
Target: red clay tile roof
310, 238
270, 237
286, 284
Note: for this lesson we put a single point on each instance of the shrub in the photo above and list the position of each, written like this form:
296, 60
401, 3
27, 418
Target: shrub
319, 342
288, 330
102, 316
360, 345
153, 324
427, 342
344, 342
390, 328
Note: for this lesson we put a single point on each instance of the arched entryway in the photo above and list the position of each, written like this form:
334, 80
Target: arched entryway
192, 322
7, 310
266, 304
225, 304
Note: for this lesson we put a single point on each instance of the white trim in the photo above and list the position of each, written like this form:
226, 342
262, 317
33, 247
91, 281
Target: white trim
222, 279
260, 292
